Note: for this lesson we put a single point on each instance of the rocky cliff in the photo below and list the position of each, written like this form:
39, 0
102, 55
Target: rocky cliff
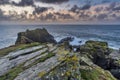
47, 61
38, 35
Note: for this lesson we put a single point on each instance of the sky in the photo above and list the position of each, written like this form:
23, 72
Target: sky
63, 11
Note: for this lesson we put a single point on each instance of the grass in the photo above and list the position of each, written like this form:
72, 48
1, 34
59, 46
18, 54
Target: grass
7, 50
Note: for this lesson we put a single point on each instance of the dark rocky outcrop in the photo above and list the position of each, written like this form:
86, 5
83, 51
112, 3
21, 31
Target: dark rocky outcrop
100, 54
37, 35
67, 39
97, 51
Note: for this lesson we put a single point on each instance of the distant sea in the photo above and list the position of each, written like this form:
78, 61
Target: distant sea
108, 33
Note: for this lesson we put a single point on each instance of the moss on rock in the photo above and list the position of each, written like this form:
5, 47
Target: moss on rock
96, 73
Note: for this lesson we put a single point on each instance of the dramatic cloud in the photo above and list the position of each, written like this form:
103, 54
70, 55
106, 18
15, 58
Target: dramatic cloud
24, 3
4, 1
48, 11
75, 8
116, 8
39, 10
86, 6
53, 1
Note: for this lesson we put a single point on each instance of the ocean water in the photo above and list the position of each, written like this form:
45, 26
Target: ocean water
108, 33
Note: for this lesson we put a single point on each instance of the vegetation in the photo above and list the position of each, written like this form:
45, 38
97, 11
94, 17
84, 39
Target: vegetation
96, 74
42, 73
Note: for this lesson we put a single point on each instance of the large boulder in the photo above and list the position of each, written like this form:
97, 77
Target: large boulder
37, 35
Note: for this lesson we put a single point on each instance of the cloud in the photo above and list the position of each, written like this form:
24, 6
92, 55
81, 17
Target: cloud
85, 7
116, 8
75, 8
26, 9
4, 1
53, 1
39, 10
102, 16
24, 3
2, 16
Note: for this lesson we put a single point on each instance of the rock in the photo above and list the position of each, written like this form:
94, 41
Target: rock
116, 73
103, 56
37, 35
55, 62
67, 39
98, 52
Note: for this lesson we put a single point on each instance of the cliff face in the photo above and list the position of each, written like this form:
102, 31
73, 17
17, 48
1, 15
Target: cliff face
38, 35
44, 61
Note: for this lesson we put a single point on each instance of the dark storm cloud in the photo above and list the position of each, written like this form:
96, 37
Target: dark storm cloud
4, 1
85, 7
64, 16
105, 1
116, 8
40, 9
53, 1
102, 16
24, 3
75, 8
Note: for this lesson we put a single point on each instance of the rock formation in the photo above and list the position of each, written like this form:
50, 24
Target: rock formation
48, 61
38, 35
103, 56
67, 39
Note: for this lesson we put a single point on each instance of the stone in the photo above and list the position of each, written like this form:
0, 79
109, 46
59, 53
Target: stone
37, 35
67, 39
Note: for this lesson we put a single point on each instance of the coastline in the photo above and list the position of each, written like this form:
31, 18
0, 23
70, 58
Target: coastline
38, 52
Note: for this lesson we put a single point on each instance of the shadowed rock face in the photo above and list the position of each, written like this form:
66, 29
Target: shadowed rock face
37, 35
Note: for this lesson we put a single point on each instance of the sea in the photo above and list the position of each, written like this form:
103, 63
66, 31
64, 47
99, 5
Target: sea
83, 33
